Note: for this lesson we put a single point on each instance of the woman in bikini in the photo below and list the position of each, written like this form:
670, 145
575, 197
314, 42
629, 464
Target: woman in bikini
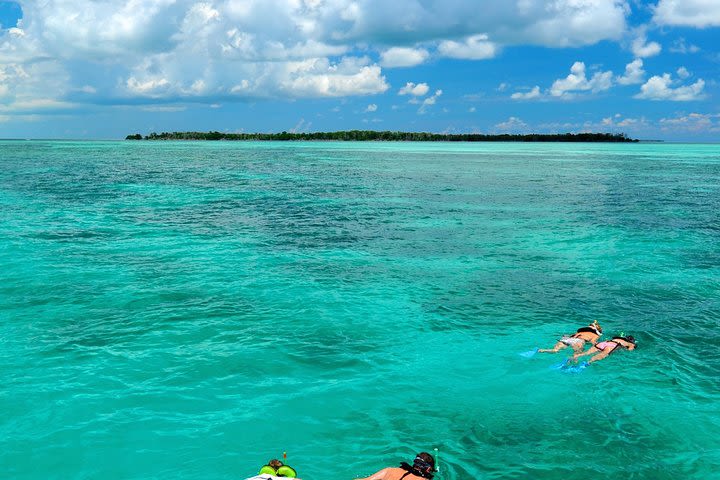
423, 468
591, 334
603, 349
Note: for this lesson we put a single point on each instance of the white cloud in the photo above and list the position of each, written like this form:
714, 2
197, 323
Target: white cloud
164, 108
660, 88
371, 108
578, 81
417, 90
680, 46
558, 23
641, 48
301, 126
629, 122
692, 122
429, 101
210, 49
619, 122
683, 73
533, 93
244, 85
320, 78
513, 124
634, 73
472, 109
37, 105
688, 13
503, 86
147, 87
403, 57
476, 47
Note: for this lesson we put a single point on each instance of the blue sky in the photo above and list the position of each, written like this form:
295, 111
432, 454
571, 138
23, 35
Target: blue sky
106, 68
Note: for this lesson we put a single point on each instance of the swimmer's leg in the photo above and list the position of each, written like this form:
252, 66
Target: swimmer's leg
558, 346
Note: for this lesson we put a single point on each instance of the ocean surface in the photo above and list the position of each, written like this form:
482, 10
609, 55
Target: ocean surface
191, 310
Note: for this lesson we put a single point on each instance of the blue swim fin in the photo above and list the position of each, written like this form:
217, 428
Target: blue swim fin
529, 353
561, 366
577, 368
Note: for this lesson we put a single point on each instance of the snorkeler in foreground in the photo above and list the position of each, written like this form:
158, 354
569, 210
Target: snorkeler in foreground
591, 334
603, 349
275, 470
423, 467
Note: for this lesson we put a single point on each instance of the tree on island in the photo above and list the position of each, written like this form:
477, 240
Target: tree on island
389, 136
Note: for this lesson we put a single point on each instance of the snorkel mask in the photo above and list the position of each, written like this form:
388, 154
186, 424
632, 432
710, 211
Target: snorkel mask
284, 471
424, 468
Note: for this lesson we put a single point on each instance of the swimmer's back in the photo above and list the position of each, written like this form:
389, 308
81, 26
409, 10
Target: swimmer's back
392, 474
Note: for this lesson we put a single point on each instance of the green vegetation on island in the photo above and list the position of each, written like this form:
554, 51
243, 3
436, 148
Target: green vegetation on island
387, 136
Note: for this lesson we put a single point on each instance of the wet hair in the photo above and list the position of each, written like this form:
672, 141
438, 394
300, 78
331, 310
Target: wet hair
275, 463
427, 458
424, 465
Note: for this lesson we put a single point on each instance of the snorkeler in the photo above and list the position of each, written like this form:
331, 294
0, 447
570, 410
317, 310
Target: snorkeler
591, 334
423, 467
275, 469
603, 349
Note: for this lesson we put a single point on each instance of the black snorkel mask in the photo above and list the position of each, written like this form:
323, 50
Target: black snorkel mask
420, 468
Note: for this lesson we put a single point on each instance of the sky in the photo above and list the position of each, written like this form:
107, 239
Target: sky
103, 69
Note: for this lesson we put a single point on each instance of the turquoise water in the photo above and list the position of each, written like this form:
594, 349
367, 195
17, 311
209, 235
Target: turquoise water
191, 310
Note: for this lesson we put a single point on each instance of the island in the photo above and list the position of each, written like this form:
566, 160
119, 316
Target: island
388, 136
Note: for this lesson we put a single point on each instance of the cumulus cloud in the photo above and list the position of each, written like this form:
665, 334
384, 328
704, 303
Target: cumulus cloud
660, 88
427, 102
371, 108
416, 90
618, 122
634, 73
210, 49
681, 46
403, 57
577, 81
641, 48
476, 47
320, 78
683, 73
150, 86
512, 124
688, 13
533, 93
692, 122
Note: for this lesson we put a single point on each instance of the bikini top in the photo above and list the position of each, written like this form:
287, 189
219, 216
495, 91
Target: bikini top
617, 344
589, 330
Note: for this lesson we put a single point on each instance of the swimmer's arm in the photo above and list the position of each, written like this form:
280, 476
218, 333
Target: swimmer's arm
376, 476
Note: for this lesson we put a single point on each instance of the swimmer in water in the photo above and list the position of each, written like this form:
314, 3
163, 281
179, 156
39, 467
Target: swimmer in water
577, 341
603, 349
423, 467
